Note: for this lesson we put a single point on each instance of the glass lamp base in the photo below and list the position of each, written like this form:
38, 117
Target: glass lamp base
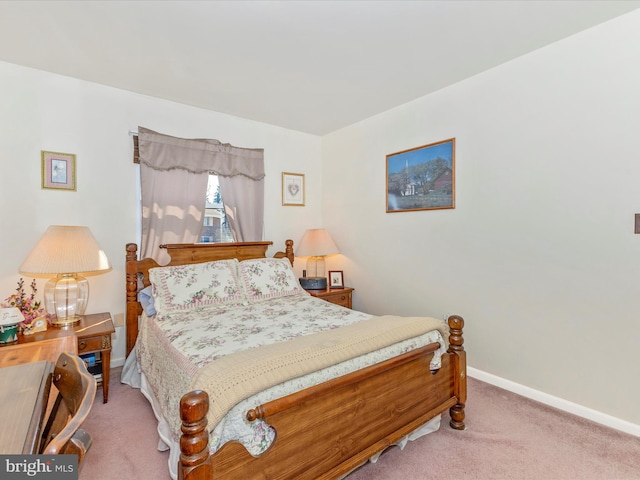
65, 299
66, 322
315, 267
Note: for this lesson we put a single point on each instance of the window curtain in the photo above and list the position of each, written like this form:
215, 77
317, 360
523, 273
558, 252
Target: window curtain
174, 174
243, 205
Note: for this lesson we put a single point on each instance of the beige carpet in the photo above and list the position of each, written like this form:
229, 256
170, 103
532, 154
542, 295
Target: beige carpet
507, 438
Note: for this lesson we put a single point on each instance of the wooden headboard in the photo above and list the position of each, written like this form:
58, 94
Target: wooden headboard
137, 271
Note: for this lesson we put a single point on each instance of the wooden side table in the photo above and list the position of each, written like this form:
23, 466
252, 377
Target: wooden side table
93, 335
339, 296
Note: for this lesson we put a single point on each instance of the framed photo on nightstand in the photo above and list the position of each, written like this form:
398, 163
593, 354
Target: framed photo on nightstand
336, 279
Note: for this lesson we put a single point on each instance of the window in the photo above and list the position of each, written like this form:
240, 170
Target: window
216, 229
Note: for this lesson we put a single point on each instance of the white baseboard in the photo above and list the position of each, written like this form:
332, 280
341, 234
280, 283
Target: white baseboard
556, 402
117, 362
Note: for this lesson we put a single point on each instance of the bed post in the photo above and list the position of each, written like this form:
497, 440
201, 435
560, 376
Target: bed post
195, 461
288, 251
456, 325
132, 312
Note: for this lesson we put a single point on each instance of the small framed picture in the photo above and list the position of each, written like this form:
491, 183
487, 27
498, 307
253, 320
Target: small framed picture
293, 189
58, 170
336, 279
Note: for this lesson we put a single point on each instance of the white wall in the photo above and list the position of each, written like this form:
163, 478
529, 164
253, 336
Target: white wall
539, 254
42, 111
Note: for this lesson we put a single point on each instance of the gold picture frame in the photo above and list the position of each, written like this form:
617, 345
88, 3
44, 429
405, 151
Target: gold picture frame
422, 178
58, 171
293, 191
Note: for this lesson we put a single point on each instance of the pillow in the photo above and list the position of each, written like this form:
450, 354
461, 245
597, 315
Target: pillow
185, 287
265, 278
145, 297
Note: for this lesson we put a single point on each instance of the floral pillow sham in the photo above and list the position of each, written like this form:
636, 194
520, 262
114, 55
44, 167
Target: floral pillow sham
266, 278
185, 287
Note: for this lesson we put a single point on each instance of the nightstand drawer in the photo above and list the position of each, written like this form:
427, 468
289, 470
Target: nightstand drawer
338, 296
343, 299
90, 344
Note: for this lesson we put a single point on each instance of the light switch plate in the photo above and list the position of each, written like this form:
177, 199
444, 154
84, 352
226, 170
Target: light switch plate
637, 230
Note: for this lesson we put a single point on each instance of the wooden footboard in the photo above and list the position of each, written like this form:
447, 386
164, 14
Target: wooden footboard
325, 431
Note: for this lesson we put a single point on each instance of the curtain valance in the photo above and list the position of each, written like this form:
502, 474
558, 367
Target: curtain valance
164, 152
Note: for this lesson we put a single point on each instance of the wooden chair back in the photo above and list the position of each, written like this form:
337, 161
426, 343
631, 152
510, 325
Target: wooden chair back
76, 391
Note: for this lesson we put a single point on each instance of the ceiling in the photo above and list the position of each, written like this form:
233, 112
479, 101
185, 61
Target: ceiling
312, 66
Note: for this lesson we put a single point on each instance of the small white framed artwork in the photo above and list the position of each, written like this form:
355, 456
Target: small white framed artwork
293, 189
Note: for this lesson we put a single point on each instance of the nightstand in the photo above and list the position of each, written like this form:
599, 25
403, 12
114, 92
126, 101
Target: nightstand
94, 337
339, 296
92, 334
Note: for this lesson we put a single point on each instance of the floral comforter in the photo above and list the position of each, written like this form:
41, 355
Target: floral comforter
173, 347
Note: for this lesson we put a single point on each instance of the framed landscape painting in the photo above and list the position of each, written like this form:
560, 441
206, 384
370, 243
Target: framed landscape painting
422, 178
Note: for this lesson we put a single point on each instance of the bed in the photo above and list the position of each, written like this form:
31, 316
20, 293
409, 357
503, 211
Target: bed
346, 404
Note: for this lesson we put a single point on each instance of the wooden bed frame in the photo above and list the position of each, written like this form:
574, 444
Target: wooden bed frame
325, 431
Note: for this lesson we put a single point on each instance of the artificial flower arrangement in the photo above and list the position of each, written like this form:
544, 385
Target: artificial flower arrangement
30, 308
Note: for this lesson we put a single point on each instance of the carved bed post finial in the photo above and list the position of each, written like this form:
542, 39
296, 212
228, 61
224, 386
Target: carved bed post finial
456, 324
288, 250
456, 341
195, 462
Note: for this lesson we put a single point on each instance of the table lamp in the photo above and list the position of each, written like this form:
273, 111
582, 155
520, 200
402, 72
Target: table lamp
316, 243
66, 251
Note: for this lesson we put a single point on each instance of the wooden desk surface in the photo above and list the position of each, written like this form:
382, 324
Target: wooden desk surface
33, 348
24, 392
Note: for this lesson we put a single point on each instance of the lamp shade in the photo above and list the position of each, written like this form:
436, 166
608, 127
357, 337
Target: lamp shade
66, 249
316, 242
